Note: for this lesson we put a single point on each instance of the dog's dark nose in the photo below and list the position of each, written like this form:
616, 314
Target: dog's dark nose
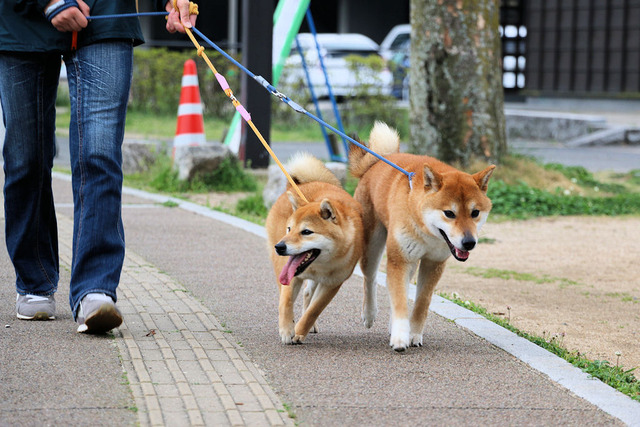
281, 248
468, 243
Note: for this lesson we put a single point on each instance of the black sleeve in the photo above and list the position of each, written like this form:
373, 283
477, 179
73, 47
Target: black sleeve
160, 4
30, 7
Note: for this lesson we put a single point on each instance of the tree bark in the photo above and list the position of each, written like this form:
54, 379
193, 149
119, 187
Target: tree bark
456, 94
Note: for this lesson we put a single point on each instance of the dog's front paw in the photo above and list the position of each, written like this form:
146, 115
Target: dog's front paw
287, 335
416, 340
297, 339
399, 344
400, 338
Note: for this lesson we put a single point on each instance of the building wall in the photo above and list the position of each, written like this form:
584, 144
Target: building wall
583, 47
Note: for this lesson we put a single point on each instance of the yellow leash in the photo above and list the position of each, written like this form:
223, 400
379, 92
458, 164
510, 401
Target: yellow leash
193, 10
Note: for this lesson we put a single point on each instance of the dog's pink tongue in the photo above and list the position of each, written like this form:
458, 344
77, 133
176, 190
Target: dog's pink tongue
289, 270
463, 255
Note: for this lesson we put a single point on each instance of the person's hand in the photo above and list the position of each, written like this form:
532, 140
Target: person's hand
179, 21
71, 19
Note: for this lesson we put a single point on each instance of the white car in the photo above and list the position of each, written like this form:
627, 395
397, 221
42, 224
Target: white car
333, 49
395, 40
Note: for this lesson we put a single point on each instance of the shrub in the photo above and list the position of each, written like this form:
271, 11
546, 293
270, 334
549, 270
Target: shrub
583, 177
522, 201
228, 177
157, 81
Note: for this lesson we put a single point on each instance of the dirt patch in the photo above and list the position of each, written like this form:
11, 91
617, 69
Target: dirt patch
573, 279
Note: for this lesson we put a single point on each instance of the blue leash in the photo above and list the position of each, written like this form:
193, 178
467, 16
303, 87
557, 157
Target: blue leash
268, 86
126, 15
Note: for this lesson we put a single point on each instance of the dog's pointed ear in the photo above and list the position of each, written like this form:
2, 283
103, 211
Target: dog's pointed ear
482, 178
327, 211
432, 179
295, 200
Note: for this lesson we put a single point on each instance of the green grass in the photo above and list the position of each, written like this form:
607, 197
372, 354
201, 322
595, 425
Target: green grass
617, 377
584, 178
161, 177
522, 201
163, 127
490, 273
251, 208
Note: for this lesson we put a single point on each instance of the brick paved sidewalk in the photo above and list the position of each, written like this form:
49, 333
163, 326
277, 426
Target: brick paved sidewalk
181, 367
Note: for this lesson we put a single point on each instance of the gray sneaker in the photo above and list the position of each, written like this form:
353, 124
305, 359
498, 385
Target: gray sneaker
35, 307
98, 314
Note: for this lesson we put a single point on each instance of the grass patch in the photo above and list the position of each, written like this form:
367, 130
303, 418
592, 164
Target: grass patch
523, 188
492, 273
230, 176
522, 201
487, 240
616, 376
584, 178
515, 169
163, 127
289, 410
251, 208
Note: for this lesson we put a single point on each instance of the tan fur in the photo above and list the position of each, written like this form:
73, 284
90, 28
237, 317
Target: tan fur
303, 167
383, 140
408, 222
332, 222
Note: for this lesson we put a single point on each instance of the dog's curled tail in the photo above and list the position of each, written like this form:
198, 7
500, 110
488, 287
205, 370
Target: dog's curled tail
304, 167
383, 140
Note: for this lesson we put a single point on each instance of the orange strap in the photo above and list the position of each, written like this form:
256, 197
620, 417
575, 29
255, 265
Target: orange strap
74, 40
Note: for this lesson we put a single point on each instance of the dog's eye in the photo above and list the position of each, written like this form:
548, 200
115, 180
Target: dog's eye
475, 213
306, 232
449, 214
288, 229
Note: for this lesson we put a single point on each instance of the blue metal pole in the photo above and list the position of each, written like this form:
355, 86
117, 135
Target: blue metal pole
312, 27
332, 155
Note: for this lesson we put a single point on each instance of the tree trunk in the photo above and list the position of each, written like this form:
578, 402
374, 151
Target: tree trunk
457, 100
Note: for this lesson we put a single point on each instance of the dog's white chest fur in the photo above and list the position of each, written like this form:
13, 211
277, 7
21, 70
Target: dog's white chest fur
417, 245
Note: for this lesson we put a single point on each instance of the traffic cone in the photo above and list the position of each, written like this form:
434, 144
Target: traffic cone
190, 127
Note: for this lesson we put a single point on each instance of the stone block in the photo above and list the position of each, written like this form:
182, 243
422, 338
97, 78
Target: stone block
202, 159
139, 155
550, 126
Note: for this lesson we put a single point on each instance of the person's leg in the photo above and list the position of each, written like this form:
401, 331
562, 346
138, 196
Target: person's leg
99, 82
28, 88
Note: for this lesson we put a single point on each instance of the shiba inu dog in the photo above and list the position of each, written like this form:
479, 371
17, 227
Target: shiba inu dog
439, 216
319, 242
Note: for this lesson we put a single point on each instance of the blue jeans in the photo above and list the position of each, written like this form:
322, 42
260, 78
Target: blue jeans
99, 77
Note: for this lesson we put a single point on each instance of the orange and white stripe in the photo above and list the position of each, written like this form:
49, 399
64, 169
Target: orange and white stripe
190, 126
